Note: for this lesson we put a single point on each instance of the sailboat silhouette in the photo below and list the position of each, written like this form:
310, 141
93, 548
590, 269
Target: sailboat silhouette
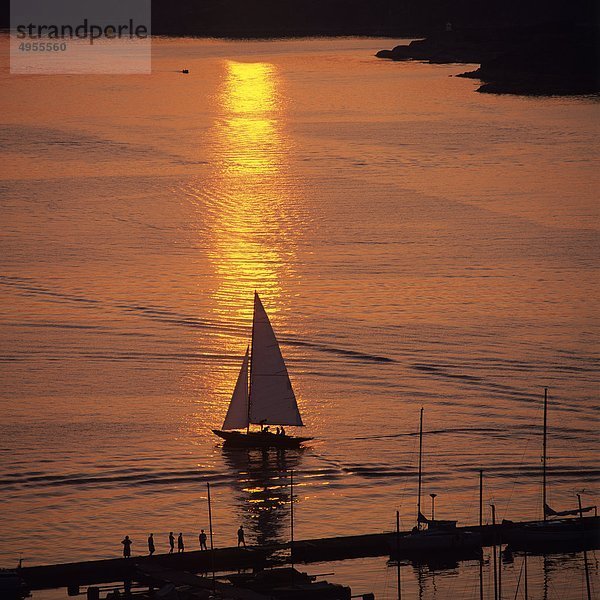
263, 393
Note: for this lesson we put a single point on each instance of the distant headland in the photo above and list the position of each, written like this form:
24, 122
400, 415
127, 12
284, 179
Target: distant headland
523, 46
546, 59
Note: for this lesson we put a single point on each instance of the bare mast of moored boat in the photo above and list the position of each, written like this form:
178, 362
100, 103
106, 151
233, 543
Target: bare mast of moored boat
420, 518
544, 452
549, 512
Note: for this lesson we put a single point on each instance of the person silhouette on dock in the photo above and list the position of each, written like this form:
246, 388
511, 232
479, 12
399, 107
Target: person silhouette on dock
151, 547
202, 538
241, 538
180, 546
282, 430
171, 542
126, 547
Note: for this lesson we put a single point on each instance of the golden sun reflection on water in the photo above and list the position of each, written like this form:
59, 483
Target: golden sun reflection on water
250, 126
252, 246
247, 206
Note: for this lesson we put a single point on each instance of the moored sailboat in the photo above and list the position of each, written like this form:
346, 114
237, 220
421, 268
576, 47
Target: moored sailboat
434, 538
554, 533
263, 394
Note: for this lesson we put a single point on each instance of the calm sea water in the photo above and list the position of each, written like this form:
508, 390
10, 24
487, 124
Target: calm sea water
415, 243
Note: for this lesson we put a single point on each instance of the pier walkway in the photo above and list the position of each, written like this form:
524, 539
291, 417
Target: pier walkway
304, 551
122, 569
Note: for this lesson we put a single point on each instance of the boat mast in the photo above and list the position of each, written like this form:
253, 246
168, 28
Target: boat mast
251, 361
420, 469
480, 498
544, 448
481, 532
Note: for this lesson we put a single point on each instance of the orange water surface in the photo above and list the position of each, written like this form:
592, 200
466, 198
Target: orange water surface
415, 244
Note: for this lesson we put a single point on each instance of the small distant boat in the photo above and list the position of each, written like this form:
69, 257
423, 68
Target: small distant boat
263, 394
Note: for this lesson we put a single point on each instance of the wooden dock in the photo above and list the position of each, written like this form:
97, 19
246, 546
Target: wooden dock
156, 575
111, 570
305, 551
585, 533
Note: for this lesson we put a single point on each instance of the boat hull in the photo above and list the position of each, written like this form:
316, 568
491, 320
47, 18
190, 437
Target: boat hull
458, 544
259, 439
562, 535
289, 584
12, 585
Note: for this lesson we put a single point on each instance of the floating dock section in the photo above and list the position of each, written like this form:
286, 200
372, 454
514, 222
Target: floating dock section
122, 569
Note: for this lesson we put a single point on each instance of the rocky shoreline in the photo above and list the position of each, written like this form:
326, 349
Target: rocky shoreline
528, 61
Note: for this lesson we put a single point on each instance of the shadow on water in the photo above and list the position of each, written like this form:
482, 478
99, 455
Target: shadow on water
261, 484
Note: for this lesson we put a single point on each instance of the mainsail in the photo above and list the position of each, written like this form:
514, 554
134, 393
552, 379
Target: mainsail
237, 414
272, 399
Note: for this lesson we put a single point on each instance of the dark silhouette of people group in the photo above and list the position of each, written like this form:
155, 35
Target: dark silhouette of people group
202, 538
264, 428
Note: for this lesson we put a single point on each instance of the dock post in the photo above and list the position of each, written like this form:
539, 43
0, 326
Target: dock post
525, 567
500, 570
585, 563
544, 451
481, 577
546, 577
480, 498
481, 532
292, 521
398, 554
499, 566
493, 507
420, 469
212, 547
